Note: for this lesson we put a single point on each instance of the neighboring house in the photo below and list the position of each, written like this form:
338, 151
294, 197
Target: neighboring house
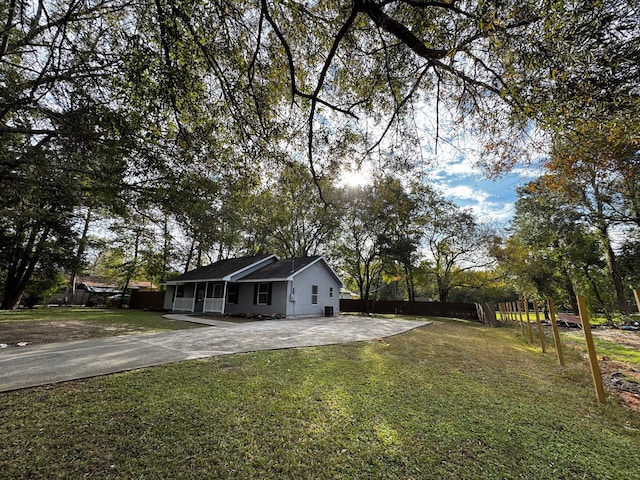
93, 290
262, 285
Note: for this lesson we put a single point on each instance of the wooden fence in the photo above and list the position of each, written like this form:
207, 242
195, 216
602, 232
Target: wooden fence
147, 300
467, 311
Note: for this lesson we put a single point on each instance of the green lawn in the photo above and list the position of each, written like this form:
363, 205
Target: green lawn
141, 318
453, 400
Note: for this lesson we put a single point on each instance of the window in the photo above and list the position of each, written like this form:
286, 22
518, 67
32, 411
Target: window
314, 294
263, 293
179, 291
330, 292
215, 290
232, 293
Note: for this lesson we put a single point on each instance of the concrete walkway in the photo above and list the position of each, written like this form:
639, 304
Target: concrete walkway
58, 362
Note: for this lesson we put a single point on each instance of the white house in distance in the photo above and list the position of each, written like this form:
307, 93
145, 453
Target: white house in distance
258, 285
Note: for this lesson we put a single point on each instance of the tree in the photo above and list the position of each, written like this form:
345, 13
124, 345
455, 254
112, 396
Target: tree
456, 244
599, 177
61, 142
289, 219
400, 207
358, 250
124, 96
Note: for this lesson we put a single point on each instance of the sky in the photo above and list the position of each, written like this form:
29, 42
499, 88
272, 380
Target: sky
492, 201
455, 172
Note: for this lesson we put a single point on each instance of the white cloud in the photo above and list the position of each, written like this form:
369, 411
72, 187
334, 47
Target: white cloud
464, 192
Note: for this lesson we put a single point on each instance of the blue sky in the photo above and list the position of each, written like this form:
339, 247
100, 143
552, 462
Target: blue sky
491, 201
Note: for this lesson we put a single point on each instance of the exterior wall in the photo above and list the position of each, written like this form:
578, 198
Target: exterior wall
316, 274
168, 297
245, 301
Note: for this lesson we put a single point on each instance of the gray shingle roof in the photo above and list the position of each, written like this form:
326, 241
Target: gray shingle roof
219, 270
281, 270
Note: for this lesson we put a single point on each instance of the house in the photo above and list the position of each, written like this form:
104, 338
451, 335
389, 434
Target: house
93, 290
258, 285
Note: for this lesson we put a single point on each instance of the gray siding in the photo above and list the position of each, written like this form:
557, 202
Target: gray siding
245, 301
316, 274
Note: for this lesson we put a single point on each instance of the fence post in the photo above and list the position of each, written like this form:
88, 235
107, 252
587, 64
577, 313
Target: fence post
540, 332
519, 305
529, 323
593, 358
556, 332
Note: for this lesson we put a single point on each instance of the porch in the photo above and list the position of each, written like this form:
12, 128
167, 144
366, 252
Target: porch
199, 297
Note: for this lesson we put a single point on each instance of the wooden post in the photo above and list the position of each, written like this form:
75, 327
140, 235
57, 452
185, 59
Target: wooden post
529, 323
593, 358
520, 315
539, 322
556, 332
636, 294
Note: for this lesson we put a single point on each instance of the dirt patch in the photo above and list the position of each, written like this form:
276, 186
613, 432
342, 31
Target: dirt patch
38, 333
622, 379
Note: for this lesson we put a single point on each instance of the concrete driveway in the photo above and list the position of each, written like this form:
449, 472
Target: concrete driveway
57, 362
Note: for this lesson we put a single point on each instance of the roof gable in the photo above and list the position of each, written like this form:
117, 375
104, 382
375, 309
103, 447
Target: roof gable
286, 269
223, 269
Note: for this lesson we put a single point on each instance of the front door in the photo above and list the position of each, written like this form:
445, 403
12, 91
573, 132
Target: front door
201, 289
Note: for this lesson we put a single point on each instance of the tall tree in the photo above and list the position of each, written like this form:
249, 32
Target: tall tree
289, 218
456, 243
599, 176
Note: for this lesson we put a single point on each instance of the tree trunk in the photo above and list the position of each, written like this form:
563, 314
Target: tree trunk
571, 292
596, 293
614, 270
132, 270
443, 292
71, 290
187, 264
22, 266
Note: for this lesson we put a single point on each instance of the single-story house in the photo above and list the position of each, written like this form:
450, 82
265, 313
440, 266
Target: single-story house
257, 285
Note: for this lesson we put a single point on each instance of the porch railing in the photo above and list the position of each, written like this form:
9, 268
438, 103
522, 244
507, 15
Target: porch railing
213, 305
184, 304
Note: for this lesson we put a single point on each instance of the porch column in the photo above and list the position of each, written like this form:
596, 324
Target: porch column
204, 302
224, 298
175, 293
193, 300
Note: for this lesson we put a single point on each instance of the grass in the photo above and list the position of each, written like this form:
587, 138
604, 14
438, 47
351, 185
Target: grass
55, 324
612, 350
453, 400
102, 315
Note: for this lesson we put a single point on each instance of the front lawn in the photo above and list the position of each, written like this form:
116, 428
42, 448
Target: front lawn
453, 400
59, 324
